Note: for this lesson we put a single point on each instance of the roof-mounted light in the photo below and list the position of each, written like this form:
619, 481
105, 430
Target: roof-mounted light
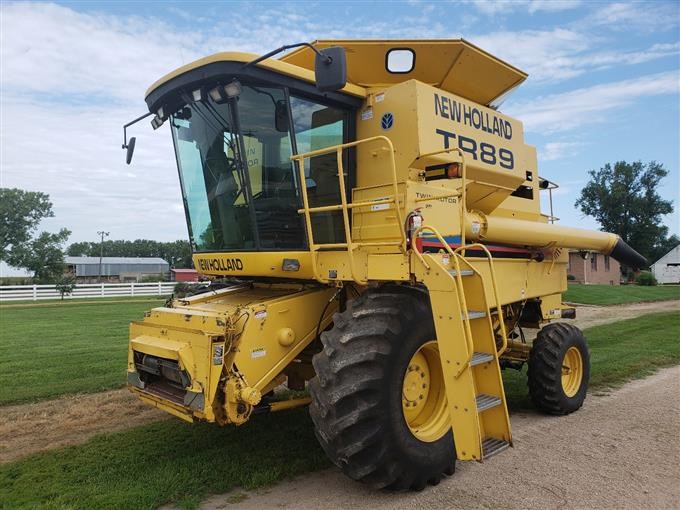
197, 95
232, 89
223, 92
216, 94
157, 122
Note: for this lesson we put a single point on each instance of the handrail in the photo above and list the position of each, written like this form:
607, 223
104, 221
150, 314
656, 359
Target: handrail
344, 206
459, 286
494, 286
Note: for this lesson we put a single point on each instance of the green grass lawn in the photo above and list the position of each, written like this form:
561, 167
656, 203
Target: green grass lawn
62, 347
618, 294
172, 461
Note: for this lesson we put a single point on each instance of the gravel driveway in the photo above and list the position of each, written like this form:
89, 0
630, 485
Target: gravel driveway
619, 451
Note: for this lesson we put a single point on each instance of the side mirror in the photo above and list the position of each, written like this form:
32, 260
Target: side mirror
330, 68
281, 116
130, 149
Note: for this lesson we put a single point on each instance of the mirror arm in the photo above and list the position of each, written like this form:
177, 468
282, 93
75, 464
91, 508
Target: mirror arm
125, 144
284, 48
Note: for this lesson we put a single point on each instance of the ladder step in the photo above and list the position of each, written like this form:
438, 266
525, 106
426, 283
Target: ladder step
491, 446
474, 314
478, 358
464, 272
485, 402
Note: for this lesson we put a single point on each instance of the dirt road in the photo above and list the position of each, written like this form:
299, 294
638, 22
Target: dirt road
588, 316
30, 428
619, 451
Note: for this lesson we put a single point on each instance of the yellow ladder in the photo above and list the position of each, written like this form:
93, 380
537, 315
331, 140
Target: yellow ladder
467, 347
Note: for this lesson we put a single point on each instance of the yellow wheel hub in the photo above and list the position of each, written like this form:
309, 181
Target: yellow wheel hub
572, 371
423, 398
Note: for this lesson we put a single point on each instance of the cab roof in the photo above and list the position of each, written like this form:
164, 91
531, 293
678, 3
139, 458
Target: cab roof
453, 65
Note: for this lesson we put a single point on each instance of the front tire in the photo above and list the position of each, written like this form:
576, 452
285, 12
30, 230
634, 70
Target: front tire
559, 369
378, 402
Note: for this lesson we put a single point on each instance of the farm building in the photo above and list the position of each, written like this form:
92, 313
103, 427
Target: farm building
184, 275
667, 268
116, 269
594, 268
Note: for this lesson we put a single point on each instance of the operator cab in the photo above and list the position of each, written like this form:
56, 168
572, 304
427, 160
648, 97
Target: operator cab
240, 187
234, 131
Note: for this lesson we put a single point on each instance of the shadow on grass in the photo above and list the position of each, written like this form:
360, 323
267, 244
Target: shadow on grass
170, 461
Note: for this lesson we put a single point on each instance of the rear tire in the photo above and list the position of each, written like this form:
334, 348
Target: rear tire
357, 394
559, 369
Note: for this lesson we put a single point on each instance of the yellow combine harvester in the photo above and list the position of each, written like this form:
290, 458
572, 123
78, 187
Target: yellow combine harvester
376, 224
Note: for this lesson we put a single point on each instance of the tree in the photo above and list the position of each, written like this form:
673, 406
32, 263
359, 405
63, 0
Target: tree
65, 285
624, 200
20, 213
43, 256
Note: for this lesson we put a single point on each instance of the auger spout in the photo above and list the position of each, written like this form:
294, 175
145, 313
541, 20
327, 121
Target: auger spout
481, 227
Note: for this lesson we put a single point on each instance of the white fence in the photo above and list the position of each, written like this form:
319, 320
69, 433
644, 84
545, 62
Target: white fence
85, 290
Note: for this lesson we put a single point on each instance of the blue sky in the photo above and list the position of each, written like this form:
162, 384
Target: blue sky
604, 85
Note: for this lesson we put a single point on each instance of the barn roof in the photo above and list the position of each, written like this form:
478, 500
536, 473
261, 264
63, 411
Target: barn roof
114, 260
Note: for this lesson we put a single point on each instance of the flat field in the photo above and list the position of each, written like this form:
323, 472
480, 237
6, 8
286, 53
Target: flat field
174, 462
619, 294
51, 349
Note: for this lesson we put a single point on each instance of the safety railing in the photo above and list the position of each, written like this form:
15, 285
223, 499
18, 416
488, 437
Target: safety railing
349, 245
85, 290
457, 256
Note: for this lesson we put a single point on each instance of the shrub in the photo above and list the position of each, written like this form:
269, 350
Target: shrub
65, 286
571, 277
152, 278
646, 278
181, 290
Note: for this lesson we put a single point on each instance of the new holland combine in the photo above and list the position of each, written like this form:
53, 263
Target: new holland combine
372, 224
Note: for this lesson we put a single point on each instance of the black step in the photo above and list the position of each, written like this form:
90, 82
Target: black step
491, 446
479, 358
485, 402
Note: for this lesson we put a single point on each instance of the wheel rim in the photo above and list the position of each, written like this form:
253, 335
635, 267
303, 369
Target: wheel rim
572, 371
423, 398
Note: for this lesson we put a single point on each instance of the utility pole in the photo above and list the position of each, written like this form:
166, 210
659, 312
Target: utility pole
101, 251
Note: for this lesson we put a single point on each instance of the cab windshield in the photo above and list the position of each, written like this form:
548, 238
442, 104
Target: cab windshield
241, 191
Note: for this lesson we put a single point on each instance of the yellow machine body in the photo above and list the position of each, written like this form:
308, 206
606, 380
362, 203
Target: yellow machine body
444, 193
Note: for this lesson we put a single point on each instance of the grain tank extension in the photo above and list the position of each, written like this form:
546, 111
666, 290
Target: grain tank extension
372, 224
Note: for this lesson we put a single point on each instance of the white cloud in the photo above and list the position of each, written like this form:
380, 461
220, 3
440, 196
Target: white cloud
648, 16
561, 54
552, 151
74, 155
495, 7
69, 80
570, 110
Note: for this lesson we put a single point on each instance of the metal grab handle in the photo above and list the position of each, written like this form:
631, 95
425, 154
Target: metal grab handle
459, 286
494, 286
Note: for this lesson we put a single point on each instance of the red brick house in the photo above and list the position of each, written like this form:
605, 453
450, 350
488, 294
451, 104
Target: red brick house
595, 268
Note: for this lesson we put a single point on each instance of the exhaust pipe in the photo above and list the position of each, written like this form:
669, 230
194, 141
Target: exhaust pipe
481, 227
